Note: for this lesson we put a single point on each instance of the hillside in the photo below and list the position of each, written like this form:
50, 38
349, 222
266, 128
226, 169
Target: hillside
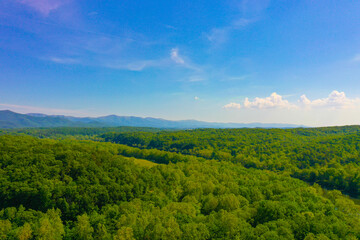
71, 189
327, 156
9, 119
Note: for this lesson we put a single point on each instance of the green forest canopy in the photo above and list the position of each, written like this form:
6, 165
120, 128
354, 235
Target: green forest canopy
215, 184
327, 156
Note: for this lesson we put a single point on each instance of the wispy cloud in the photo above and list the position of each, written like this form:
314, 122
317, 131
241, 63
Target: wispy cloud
139, 65
44, 7
196, 98
356, 58
116, 52
196, 79
64, 60
169, 27
220, 35
106, 59
32, 109
173, 58
249, 12
74, 41
253, 8
237, 78
174, 54
186, 63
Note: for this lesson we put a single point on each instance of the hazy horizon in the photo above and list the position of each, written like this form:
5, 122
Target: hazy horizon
232, 61
99, 116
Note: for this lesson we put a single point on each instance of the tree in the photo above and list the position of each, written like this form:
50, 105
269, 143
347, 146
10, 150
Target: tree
25, 232
5, 228
83, 229
124, 233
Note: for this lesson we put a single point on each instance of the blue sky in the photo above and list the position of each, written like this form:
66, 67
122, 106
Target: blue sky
229, 61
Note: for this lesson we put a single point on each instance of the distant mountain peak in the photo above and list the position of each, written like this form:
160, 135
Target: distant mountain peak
7, 111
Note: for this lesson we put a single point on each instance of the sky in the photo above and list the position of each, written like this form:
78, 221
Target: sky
238, 61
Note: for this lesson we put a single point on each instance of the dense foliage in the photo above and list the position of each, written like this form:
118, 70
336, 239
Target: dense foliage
70, 189
327, 156
79, 133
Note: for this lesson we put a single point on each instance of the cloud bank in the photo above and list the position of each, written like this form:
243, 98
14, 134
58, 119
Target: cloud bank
335, 100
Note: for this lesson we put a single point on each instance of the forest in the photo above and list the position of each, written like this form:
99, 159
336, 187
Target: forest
148, 183
327, 156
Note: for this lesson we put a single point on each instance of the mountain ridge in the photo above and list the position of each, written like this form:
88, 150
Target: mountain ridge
10, 119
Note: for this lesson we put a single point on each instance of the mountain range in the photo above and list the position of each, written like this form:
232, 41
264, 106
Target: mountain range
9, 119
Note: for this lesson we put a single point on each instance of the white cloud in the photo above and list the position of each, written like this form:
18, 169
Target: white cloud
174, 54
335, 99
196, 98
304, 100
274, 101
232, 106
